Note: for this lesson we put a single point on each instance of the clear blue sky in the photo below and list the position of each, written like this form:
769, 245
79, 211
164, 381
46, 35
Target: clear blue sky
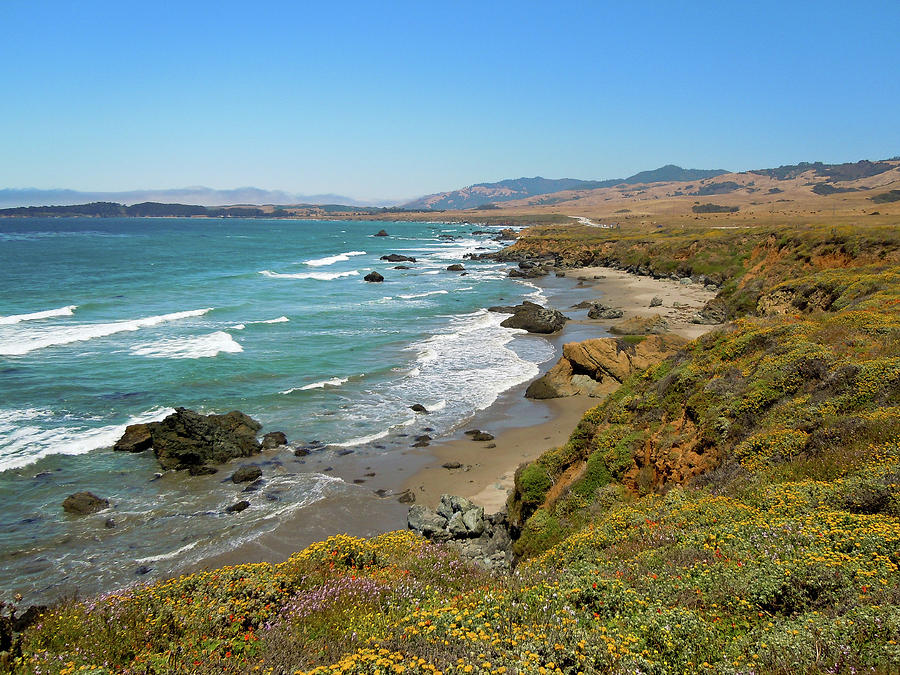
397, 99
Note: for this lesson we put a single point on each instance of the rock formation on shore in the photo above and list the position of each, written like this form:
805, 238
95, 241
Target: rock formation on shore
186, 439
483, 539
532, 317
641, 325
587, 367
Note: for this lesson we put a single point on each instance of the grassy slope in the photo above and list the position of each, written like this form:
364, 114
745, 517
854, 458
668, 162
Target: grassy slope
783, 559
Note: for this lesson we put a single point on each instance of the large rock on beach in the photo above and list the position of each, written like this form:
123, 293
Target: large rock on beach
594, 366
245, 474
600, 311
641, 325
535, 319
188, 439
84, 503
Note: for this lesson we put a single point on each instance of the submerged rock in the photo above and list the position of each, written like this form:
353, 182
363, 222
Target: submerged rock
237, 507
84, 503
245, 474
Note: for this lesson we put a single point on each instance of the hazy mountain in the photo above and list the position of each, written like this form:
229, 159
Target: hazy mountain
204, 196
520, 188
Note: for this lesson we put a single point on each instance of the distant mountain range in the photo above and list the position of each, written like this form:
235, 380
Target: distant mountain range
520, 188
202, 196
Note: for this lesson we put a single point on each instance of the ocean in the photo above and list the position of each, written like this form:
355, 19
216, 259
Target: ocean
108, 322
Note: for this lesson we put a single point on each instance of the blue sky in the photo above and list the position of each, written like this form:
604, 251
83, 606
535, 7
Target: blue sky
398, 99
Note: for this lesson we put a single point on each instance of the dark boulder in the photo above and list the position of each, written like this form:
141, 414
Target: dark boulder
373, 276
535, 319
381, 233
456, 268
245, 474
202, 470
274, 439
482, 436
402, 267
83, 503
188, 439
600, 311
238, 507
419, 408
135, 439
396, 257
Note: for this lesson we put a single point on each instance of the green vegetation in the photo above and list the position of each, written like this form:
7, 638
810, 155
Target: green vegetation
887, 197
733, 509
714, 208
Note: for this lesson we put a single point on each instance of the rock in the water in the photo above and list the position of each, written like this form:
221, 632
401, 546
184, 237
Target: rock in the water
482, 436
535, 319
83, 503
381, 233
656, 301
423, 437
237, 507
373, 277
202, 470
245, 474
301, 452
397, 257
456, 268
135, 439
274, 439
186, 438
419, 408
641, 325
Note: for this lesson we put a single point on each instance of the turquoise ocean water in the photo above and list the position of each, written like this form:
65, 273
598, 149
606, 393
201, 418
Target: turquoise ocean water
105, 322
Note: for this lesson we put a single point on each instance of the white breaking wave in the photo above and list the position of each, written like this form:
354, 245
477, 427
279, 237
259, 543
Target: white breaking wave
330, 260
198, 347
363, 440
280, 319
68, 310
23, 442
333, 382
321, 276
166, 556
422, 295
30, 339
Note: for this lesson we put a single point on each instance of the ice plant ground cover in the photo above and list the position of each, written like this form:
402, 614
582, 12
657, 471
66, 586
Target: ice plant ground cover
784, 557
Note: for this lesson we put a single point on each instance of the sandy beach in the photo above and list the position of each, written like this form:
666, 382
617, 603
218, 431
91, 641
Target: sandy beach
524, 428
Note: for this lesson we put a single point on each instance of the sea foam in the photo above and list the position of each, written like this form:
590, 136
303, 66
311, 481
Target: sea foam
68, 310
330, 260
29, 339
196, 347
24, 443
321, 276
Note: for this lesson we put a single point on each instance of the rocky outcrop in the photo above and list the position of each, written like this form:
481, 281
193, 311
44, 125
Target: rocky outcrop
591, 366
600, 311
456, 267
135, 439
534, 318
713, 313
483, 539
530, 273
397, 257
373, 277
84, 503
641, 325
188, 440
381, 233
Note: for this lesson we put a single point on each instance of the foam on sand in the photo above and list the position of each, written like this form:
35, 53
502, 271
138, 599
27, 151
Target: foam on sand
30, 339
197, 347
68, 310
330, 260
320, 276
